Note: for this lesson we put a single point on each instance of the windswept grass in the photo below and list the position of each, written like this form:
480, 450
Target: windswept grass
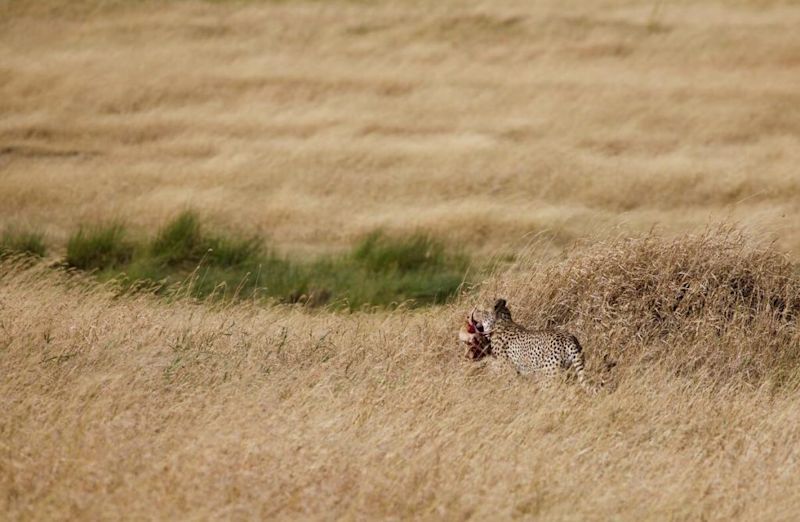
136, 407
486, 123
375, 122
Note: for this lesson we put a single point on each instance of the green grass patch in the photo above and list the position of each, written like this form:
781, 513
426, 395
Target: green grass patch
417, 253
15, 242
185, 256
183, 241
99, 248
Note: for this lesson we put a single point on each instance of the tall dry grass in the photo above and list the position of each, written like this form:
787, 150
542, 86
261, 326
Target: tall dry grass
139, 408
314, 123
715, 300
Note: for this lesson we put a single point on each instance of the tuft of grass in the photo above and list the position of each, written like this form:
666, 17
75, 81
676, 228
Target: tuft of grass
180, 241
183, 241
29, 243
100, 247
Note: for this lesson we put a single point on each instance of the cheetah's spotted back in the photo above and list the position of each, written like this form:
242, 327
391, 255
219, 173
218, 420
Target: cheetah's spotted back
529, 351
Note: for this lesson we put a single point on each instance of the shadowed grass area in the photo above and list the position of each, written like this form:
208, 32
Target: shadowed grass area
185, 256
25, 242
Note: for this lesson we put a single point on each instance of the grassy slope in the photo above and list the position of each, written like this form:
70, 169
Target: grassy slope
145, 409
315, 123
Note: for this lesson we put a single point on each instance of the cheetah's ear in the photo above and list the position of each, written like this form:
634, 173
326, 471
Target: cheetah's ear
501, 311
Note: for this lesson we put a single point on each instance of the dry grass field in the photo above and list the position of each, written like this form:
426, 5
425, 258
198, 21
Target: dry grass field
314, 123
142, 409
560, 132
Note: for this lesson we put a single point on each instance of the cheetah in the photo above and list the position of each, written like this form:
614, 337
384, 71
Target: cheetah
529, 351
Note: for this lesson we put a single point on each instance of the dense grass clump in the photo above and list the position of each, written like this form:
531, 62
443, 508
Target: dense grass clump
180, 241
22, 242
183, 241
99, 247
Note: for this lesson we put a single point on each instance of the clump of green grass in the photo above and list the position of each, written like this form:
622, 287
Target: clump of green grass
180, 241
386, 270
184, 241
29, 243
99, 248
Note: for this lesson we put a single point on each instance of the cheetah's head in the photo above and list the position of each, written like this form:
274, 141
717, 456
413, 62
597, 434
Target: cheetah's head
478, 328
488, 320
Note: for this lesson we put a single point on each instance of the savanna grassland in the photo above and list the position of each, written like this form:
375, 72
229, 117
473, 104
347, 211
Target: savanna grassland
314, 123
586, 150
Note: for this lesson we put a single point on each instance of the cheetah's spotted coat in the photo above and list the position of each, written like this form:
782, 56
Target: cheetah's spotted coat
530, 351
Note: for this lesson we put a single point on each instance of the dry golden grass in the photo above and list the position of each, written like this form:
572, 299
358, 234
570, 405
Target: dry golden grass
136, 408
495, 124
314, 123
